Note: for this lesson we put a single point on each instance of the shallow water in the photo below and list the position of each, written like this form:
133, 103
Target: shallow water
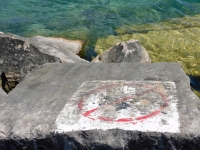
174, 40
96, 20
86, 20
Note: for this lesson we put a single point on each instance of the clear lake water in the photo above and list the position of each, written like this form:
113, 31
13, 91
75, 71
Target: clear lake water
93, 21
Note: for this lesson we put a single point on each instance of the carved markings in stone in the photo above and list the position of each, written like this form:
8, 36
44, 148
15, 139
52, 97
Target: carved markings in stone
129, 105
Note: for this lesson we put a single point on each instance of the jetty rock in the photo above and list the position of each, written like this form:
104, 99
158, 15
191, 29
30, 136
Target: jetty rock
66, 50
129, 51
20, 55
101, 106
2, 93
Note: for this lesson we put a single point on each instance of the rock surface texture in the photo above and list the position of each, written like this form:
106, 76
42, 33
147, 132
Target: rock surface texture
21, 55
66, 50
134, 106
2, 93
130, 51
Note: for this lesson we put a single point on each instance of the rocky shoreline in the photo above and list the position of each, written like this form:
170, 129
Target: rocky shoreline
122, 102
19, 55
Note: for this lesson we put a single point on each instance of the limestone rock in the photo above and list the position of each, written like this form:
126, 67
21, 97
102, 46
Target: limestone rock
64, 49
33, 112
2, 93
19, 57
130, 51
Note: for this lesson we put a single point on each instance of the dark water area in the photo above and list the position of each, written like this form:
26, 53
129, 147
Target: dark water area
195, 82
88, 20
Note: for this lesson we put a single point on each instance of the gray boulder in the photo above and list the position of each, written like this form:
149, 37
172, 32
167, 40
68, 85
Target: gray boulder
82, 105
130, 51
64, 49
21, 55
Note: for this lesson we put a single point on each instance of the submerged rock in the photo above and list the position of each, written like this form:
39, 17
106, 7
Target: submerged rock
130, 51
175, 40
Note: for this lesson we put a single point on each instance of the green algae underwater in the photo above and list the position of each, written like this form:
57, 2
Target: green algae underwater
174, 40
87, 20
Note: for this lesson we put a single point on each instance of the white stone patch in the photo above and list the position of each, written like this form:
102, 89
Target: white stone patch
148, 106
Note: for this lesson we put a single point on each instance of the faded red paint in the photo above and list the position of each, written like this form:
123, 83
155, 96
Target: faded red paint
105, 119
81, 103
149, 115
88, 113
122, 120
91, 118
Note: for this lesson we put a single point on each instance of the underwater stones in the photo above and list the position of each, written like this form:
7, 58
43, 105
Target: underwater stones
170, 24
167, 41
130, 51
37, 29
64, 49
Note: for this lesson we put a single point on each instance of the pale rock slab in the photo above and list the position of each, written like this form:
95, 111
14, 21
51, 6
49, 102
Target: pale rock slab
64, 49
137, 106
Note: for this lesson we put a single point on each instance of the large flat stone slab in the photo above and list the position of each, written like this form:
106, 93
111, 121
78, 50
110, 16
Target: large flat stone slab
97, 105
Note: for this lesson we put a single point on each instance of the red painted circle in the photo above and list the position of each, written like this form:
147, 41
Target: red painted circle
128, 120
